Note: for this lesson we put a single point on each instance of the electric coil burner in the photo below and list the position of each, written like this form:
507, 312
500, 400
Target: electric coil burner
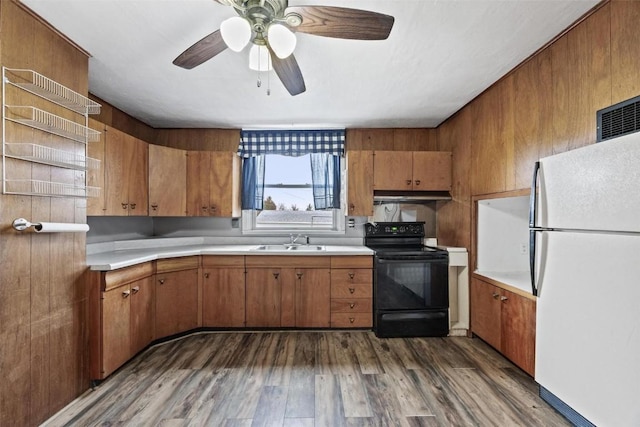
411, 282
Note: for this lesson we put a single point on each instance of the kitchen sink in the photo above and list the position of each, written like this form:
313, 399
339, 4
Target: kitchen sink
281, 248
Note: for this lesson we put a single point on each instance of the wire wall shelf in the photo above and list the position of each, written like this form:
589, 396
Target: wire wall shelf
34, 187
46, 88
20, 87
47, 122
50, 156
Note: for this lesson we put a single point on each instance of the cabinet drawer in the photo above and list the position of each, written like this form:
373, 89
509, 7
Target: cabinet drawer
351, 320
351, 276
223, 261
360, 261
351, 305
351, 290
177, 264
126, 275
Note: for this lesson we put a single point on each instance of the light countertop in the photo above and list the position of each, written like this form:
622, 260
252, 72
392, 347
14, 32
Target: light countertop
128, 255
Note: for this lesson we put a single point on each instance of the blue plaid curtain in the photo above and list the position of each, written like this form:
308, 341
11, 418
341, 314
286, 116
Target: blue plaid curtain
325, 146
291, 142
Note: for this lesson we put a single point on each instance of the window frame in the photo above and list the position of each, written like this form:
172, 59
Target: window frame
250, 226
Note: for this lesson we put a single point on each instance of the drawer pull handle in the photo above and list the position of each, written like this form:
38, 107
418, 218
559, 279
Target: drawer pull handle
408, 182
352, 275
503, 298
125, 205
352, 290
206, 275
352, 305
417, 182
125, 294
352, 319
276, 275
133, 205
299, 275
495, 295
154, 207
161, 281
135, 289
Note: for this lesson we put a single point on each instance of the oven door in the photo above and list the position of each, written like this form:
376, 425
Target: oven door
411, 282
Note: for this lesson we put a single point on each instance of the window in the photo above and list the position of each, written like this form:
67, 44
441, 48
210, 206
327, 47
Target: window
288, 200
291, 180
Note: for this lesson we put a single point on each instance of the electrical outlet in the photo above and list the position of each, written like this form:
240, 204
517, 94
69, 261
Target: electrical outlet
523, 248
351, 223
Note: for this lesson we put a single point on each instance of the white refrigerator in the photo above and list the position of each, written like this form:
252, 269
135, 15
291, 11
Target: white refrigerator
585, 264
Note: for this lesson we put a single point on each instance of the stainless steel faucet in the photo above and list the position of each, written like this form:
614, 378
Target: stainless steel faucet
294, 239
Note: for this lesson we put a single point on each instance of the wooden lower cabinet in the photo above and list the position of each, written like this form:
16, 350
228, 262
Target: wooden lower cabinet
142, 314
352, 292
506, 321
223, 292
270, 296
176, 284
116, 333
288, 291
121, 320
313, 297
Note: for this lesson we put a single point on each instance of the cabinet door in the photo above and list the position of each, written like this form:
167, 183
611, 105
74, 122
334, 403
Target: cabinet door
224, 184
263, 290
117, 154
360, 183
138, 177
176, 302
486, 312
167, 181
392, 170
198, 163
116, 345
223, 297
432, 170
142, 314
518, 330
313, 297
95, 177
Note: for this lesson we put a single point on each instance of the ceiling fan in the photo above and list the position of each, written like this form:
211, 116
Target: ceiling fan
269, 25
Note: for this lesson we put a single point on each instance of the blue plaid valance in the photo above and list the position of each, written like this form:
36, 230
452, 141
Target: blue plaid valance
291, 142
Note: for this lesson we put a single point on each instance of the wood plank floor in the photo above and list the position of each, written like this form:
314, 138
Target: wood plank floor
328, 378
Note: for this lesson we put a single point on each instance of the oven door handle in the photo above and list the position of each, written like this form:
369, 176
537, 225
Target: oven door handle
410, 258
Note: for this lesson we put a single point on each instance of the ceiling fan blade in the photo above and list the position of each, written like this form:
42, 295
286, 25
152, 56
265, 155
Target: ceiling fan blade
342, 22
201, 51
289, 72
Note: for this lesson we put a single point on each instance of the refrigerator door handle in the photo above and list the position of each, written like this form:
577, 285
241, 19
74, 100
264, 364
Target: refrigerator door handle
532, 260
533, 198
533, 206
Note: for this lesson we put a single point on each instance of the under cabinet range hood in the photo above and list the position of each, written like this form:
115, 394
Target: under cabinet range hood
414, 197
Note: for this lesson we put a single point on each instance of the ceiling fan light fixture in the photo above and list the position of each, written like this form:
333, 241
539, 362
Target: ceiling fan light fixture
282, 40
236, 33
259, 59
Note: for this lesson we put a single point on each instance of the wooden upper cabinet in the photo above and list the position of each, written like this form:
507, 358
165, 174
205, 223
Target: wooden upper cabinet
432, 170
167, 181
213, 184
393, 170
360, 183
95, 177
412, 170
126, 174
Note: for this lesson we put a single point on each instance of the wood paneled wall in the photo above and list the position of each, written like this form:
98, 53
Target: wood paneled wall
545, 106
43, 337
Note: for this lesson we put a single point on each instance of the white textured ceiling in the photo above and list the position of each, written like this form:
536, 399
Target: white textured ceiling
439, 56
